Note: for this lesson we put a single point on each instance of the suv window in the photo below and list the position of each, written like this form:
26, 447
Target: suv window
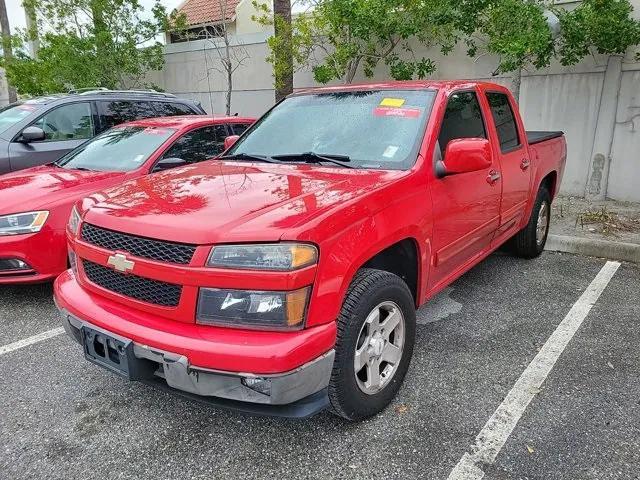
239, 128
462, 119
119, 111
504, 119
170, 109
68, 122
198, 145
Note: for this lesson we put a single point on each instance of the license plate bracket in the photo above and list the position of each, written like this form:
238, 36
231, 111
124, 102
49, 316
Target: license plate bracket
115, 354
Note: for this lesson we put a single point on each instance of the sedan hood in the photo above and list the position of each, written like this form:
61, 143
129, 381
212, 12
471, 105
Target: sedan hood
41, 187
220, 201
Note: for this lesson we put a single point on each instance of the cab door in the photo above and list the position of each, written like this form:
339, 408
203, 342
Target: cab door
510, 147
466, 206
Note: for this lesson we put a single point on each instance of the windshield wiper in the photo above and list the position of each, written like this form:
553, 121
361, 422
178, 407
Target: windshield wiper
312, 157
248, 156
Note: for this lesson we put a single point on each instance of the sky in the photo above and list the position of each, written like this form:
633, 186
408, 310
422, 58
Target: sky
17, 20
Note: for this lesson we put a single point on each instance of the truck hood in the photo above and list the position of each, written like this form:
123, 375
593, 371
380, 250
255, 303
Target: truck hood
41, 187
220, 201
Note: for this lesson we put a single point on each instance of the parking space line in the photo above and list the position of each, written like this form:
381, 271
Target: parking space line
496, 431
31, 340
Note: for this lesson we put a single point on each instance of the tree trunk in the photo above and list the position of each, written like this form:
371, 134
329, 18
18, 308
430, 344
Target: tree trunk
32, 28
6, 45
516, 81
284, 58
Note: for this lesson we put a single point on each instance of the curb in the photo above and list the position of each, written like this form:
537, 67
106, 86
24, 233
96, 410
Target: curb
628, 252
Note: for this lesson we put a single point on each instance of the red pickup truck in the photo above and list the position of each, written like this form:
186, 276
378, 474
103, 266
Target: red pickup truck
283, 277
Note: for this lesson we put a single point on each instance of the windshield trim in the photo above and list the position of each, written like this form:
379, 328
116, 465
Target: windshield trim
412, 157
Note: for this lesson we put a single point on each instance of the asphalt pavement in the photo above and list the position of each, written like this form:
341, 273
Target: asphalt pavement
65, 418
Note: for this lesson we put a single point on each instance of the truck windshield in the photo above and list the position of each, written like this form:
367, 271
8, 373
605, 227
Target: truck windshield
120, 149
379, 129
12, 114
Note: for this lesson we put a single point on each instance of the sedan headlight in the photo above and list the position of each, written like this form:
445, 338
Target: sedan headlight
74, 221
19, 223
253, 308
275, 256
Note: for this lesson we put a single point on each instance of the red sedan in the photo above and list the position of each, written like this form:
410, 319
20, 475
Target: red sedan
35, 203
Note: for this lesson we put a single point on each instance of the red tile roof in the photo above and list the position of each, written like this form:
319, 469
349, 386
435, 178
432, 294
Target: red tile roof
209, 11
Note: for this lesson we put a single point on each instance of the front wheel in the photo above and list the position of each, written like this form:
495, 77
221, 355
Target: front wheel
530, 241
376, 334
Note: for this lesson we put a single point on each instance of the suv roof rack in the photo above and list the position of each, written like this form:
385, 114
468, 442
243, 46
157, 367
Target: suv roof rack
104, 91
77, 91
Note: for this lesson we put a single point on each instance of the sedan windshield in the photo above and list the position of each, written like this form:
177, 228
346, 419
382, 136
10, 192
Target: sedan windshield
12, 114
369, 129
120, 149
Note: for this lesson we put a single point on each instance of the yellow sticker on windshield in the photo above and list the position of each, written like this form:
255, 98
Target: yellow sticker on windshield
392, 102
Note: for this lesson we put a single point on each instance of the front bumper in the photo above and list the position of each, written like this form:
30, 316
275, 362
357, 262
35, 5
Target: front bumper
297, 393
45, 252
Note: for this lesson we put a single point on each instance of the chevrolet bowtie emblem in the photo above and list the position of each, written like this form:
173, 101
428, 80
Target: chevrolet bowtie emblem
120, 263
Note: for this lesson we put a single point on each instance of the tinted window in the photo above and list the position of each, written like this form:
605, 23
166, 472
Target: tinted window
374, 128
239, 128
462, 119
504, 120
170, 109
198, 145
117, 150
12, 114
120, 111
68, 122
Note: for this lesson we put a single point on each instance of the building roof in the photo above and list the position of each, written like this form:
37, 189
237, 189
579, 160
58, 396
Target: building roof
199, 12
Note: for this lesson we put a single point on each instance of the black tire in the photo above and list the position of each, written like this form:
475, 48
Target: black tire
525, 243
369, 289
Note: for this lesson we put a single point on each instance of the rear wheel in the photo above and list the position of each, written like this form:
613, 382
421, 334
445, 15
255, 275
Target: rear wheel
376, 333
530, 241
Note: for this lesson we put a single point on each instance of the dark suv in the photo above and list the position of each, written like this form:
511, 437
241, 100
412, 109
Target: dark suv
41, 130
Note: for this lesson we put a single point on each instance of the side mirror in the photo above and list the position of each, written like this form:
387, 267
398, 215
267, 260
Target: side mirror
464, 155
230, 140
32, 134
167, 163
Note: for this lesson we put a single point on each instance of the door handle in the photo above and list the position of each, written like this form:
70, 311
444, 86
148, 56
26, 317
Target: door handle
524, 164
493, 177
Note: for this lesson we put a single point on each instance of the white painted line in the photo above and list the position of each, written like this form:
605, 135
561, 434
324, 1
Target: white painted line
495, 433
31, 340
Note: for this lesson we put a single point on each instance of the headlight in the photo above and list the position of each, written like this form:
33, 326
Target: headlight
74, 221
30, 222
253, 308
276, 256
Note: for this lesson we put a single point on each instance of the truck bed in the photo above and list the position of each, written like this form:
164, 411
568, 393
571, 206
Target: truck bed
535, 136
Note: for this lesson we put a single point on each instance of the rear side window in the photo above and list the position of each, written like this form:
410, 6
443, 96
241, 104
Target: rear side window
170, 109
504, 119
119, 111
68, 122
239, 128
462, 119
198, 145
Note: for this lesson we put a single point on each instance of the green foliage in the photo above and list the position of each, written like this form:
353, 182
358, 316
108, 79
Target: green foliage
516, 31
353, 34
605, 25
90, 43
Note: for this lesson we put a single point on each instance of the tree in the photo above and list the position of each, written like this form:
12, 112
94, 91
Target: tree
228, 57
91, 43
351, 35
519, 34
282, 48
516, 31
604, 25
7, 50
